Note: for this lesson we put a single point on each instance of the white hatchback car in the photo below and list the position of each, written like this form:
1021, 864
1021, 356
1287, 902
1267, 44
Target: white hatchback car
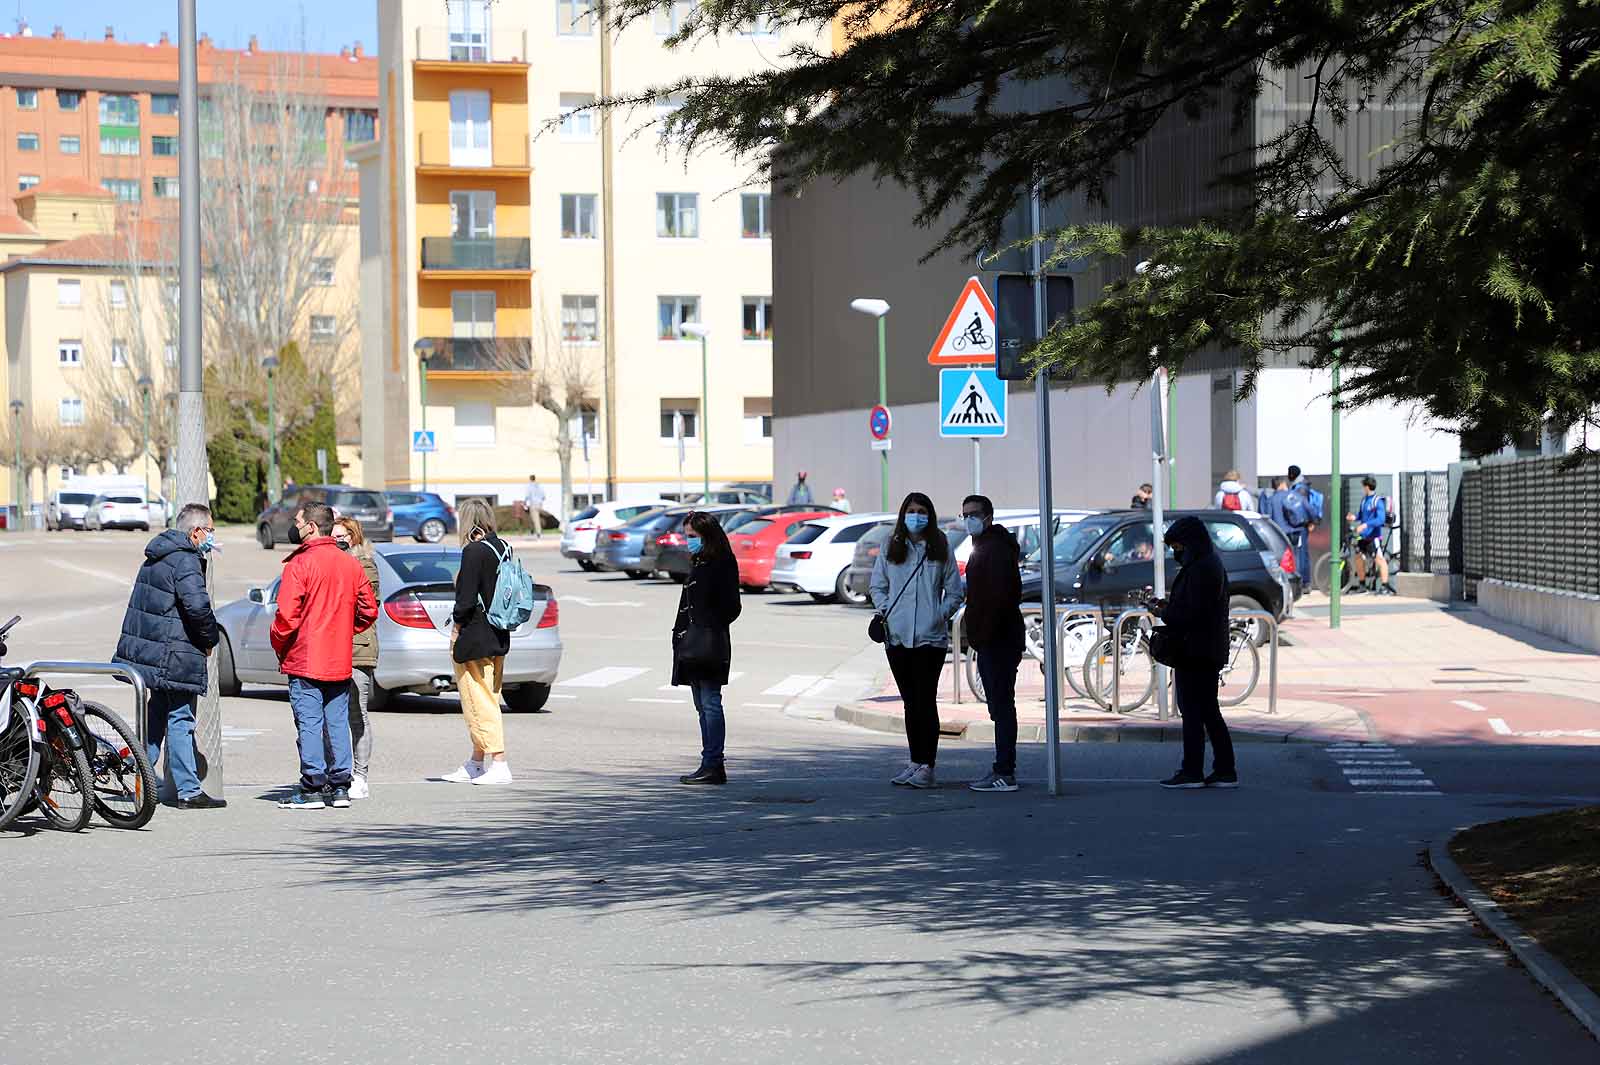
816, 559
577, 539
118, 511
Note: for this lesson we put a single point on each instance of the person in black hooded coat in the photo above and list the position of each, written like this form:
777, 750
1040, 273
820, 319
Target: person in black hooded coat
1196, 618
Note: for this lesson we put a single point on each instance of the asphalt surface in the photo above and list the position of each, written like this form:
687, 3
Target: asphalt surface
595, 911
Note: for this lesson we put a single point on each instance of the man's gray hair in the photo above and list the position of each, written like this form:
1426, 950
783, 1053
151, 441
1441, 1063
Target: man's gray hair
192, 517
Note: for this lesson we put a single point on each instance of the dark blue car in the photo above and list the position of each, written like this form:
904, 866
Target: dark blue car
422, 515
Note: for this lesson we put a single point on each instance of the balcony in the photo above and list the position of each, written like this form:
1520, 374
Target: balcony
503, 157
465, 258
488, 52
479, 358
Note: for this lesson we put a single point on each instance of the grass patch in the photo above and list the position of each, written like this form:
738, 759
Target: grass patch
1544, 872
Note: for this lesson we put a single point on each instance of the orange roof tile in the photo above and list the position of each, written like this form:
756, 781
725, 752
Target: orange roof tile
157, 244
13, 226
66, 186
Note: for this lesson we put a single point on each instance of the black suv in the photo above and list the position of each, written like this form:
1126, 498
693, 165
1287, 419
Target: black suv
1109, 560
275, 525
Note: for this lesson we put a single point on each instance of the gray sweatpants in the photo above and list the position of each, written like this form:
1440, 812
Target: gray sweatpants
360, 722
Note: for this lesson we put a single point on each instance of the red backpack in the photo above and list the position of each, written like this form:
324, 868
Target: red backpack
1230, 501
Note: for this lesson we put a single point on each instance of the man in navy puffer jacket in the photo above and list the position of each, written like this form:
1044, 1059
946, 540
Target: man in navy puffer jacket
167, 634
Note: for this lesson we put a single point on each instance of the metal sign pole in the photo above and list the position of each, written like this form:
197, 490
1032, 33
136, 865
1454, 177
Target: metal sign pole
977, 466
1041, 390
1158, 447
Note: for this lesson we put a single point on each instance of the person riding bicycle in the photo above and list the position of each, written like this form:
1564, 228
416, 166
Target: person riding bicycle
1371, 516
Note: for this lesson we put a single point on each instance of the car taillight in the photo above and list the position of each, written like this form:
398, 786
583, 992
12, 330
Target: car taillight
406, 609
584, 526
448, 509
552, 614
617, 538
107, 506
388, 516
1287, 561
800, 556
672, 540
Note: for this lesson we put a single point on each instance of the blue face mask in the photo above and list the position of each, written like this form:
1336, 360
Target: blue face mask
207, 545
695, 544
916, 522
974, 525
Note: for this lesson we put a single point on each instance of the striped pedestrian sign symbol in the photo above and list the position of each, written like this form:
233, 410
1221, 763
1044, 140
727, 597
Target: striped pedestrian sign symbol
972, 403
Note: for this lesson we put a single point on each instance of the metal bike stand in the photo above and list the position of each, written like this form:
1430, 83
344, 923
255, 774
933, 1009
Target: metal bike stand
99, 669
1272, 657
1116, 658
957, 659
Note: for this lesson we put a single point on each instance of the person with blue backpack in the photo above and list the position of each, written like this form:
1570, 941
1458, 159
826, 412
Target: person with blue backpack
1302, 509
494, 595
1371, 518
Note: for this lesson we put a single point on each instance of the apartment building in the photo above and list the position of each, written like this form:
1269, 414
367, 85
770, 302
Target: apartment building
484, 217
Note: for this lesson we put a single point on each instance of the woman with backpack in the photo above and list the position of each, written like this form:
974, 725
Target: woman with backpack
363, 659
916, 589
478, 649
702, 646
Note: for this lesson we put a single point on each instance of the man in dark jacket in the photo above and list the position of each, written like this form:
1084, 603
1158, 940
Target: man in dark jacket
993, 626
167, 633
1196, 617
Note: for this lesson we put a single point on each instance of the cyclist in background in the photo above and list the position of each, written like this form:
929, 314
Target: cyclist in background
1371, 516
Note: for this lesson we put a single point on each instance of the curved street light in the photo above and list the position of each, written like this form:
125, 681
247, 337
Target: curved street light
702, 333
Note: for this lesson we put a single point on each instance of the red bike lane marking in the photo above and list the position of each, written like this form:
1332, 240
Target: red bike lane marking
1426, 716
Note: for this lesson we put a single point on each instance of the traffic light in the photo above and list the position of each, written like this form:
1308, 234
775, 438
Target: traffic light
1014, 320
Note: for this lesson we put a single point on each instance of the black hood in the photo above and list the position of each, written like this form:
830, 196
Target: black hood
1190, 533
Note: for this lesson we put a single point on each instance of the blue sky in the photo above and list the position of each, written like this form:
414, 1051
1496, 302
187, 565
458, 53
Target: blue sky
328, 24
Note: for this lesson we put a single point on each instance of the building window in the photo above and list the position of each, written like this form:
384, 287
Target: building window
118, 144
757, 208
163, 146
674, 311
589, 420
677, 214
472, 314
169, 352
119, 353
758, 317
469, 31
118, 110
360, 127
26, 181
324, 327
672, 410
575, 18
577, 216
124, 189
69, 352
580, 319
474, 423
163, 103
471, 135
27, 142
119, 293
577, 124
27, 99
70, 144
322, 270
757, 419
120, 410
69, 293
669, 19
71, 410
164, 188
69, 99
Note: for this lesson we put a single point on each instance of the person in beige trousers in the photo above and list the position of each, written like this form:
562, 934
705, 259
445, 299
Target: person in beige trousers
478, 648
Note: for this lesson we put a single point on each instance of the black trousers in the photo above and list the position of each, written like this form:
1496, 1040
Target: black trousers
916, 673
1196, 690
997, 667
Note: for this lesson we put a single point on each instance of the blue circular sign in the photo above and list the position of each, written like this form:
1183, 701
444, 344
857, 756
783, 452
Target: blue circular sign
878, 422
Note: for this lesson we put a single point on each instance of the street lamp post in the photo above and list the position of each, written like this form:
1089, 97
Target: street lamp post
424, 350
274, 484
695, 329
144, 384
1336, 512
878, 309
16, 459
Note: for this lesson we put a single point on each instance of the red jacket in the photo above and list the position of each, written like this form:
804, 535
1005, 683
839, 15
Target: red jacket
324, 599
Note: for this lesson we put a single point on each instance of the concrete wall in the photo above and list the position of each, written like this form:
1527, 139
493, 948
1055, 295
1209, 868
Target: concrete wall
1568, 616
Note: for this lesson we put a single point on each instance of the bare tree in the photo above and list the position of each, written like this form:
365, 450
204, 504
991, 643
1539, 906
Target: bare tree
563, 377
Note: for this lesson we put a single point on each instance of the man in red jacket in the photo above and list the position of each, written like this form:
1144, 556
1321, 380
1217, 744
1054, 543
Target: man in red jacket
323, 601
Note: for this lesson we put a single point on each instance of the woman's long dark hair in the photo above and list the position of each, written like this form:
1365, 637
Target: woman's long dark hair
933, 537
713, 539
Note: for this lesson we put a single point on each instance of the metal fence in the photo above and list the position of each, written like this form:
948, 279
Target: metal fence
1534, 521
1425, 521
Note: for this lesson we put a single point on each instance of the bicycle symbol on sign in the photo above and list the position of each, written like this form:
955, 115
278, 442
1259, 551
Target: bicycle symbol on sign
973, 334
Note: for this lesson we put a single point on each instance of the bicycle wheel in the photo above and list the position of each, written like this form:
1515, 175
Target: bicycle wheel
1237, 681
65, 789
975, 679
1138, 676
124, 780
1079, 637
19, 762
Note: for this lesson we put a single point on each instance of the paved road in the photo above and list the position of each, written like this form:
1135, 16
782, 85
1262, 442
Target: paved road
596, 912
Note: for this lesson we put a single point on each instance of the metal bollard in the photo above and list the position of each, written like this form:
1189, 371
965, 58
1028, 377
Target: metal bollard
1272, 657
957, 659
100, 669
1116, 657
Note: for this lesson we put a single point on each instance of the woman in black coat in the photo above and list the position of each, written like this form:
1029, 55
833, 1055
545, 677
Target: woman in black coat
702, 648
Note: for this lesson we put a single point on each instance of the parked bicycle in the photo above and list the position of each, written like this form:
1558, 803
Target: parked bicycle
1236, 681
19, 747
1322, 570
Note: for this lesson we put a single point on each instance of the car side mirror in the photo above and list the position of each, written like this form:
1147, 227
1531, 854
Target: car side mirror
258, 595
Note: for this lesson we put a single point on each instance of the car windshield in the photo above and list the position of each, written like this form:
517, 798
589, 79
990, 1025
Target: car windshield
739, 520
1073, 542
77, 498
124, 499
350, 500
586, 513
425, 567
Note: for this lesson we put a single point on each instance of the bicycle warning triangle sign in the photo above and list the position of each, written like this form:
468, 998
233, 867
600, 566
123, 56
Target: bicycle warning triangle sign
968, 336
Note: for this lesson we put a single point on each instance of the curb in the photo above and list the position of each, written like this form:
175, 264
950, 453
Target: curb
983, 731
1583, 1003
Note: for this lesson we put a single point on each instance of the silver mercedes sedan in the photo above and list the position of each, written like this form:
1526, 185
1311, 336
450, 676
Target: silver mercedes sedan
416, 593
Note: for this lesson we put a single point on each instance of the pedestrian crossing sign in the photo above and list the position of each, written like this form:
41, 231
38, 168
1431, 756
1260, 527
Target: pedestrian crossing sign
968, 336
972, 403
422, 440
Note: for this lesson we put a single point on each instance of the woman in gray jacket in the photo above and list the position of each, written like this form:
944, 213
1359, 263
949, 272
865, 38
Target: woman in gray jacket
917, 589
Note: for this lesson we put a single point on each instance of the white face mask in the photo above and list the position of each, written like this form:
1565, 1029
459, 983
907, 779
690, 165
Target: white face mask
974, 525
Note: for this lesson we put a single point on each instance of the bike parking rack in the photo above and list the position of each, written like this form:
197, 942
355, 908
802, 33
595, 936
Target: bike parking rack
99, 669
1063, 615
1272, 656
1116, 655
957, 658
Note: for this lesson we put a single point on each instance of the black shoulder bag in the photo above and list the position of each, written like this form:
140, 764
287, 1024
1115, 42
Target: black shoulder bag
878, 627
702, 647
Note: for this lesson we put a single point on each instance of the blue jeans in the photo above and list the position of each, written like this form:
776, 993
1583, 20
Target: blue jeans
1302, 556
713, 726
997, 667
169, 715
322, 718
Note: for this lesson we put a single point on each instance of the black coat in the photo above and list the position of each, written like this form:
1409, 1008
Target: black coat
169, 627
1197, 607
994, 591
710, 598
475, 588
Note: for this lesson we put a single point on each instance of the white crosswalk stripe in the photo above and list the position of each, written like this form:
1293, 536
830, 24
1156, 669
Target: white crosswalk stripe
1378, 769
668, 687
796, 684
604, 677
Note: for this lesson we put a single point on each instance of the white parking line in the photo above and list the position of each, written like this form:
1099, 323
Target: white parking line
668, 702
124, 579
671, 687
763, 706
558, 695
1468, 704
793, 685
1499, 725
604, 677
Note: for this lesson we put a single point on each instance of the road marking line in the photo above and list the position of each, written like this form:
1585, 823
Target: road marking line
793, 685
668, 702
764, 706
598, 602
1370, 761
1420, 782
1500, 726
604, 677
1435, 793
1558, 733
558, 695
1468, 704
1374, 771
88, 571
670, 687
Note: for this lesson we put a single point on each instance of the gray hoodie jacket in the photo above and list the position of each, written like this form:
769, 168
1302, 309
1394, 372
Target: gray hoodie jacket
921, 617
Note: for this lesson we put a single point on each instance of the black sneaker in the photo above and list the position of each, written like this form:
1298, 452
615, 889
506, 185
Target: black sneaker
201, 801
302, 800
714, 774
1180, 779
339, 798
1220, 779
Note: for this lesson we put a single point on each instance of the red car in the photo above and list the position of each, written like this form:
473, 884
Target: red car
755, 544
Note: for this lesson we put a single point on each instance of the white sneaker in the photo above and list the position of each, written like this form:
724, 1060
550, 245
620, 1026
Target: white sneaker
904, 775
922, 778
494, 772
470, 770
359, 789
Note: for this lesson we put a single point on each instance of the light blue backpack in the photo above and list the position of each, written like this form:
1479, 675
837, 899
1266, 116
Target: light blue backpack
513, 593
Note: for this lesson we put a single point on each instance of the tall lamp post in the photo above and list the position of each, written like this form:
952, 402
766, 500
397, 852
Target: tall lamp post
879, 308
16, 459
424, 350
696, 329
144, 384
274, 484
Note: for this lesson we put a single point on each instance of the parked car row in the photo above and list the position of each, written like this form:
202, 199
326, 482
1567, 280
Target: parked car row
121, 508
423, 516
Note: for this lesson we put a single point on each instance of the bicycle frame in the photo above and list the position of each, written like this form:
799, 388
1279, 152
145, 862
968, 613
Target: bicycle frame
1116, 655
